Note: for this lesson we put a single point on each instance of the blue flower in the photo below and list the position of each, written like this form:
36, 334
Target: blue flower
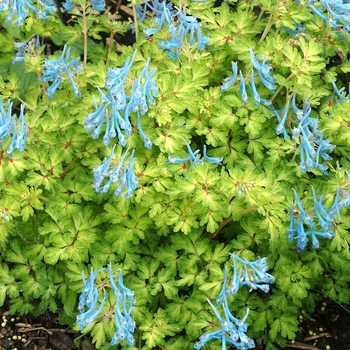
253, 274
26, 47
338, 92
89, 309
179, 25
124, 307
242, 88
21, 8
116, 106
68, 5
232, 330
305, 225
89, 300
228, 82
8, 123
214, 160
54, 69
98, 5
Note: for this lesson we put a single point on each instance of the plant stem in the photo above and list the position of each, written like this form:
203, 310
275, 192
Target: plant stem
259, 18
63, 175
267, 28
43, 198
291, 75
85, 36
135, 22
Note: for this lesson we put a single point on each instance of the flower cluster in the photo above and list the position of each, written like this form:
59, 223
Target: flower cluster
54, 69
304, 225
26, 47
193, 156
313, 146
89, 307
337, 16
88, 301
263, 71
8, 124
254, 275
179, 24
232, 330
21, 8
97, 5
123, 173
124, 307
121, 104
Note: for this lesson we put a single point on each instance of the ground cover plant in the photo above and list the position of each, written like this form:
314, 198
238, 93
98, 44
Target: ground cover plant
147, 189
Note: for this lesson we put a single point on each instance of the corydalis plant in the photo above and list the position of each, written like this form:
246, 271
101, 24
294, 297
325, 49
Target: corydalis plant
254, 275
124, 300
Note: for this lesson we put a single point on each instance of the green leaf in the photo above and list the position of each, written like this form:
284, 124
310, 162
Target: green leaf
286, 325
166, 279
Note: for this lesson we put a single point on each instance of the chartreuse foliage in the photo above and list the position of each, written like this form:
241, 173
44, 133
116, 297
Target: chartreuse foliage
223, 130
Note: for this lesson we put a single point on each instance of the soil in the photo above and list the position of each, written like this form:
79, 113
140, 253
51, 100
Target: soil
329, 328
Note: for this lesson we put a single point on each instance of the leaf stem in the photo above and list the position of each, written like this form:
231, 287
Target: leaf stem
291, 75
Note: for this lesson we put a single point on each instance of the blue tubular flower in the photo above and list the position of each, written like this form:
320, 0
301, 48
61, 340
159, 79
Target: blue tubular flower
300, 29
89, 299
337, 13
102, 171
214, 160
68, 5
230, 81
338, 92
174, 160
20, 8
131, 178
253, 89
8, 123
280, 127
117, 170
146, 141
98, 5
54, 69
124, 307
305, 225
193, 155
242, 88
264, 71
253, 274
23, 131
292, 232
232, 330
5, 120
179, 25
308, 219
26, 47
